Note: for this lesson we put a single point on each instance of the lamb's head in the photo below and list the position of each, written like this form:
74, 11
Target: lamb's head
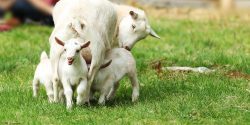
134, 28
72, 48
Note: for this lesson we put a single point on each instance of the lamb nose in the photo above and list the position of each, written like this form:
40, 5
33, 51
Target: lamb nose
70, 58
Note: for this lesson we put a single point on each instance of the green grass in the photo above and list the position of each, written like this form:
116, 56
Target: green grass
166, 98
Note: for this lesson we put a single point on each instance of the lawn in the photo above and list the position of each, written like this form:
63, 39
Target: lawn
222, 97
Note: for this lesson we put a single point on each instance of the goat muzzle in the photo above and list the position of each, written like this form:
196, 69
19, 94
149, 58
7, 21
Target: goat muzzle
70, 61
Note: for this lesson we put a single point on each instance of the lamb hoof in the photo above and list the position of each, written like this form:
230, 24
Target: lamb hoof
50, 98
110, 97
93, 98
135, 98
55, 101
69, 108
80, 103
51, 101
102, 103
62, 100
87, 103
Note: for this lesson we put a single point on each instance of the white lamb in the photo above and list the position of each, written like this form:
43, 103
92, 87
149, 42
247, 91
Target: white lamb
97, 23
73, 71
123, 63
43, 75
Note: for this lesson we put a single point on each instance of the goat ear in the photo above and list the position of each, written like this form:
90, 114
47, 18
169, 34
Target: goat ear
133, 14
154, 34
59, 41
85, 45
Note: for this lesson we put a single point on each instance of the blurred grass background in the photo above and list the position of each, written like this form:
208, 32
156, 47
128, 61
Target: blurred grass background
214, 38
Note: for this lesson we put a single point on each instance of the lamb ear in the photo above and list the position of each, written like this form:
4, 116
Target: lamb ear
85, 45
106, 64
133, 14
60, 42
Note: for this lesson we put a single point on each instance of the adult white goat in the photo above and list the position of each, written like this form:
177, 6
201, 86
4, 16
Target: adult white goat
133, 24
107, 79
73, 71
132, 27
96, 22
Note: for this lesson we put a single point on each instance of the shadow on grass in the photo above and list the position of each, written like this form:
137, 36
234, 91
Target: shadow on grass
156, 91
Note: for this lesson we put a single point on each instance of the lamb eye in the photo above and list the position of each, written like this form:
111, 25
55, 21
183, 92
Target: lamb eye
64, 49
133, 26
77, 51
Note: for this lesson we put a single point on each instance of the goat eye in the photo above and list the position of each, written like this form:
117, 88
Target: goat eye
133, 26
77, 51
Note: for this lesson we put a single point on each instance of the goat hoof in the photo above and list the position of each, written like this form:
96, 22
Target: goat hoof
102, 103
135, 98
55, 101
69, 108
87, 103
51, 101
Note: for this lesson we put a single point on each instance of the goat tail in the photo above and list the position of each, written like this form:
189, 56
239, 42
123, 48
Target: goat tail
43, 56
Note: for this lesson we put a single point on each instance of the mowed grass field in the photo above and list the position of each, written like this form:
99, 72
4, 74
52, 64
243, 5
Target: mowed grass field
222, 97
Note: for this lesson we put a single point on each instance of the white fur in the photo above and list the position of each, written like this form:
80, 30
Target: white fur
99, 19
43, 75
74, 74
107, 79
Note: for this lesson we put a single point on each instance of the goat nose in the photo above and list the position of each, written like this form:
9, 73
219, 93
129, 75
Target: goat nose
69, 58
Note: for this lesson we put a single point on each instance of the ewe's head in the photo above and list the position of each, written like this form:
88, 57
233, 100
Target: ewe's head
134, 28
72, 48
77, 26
